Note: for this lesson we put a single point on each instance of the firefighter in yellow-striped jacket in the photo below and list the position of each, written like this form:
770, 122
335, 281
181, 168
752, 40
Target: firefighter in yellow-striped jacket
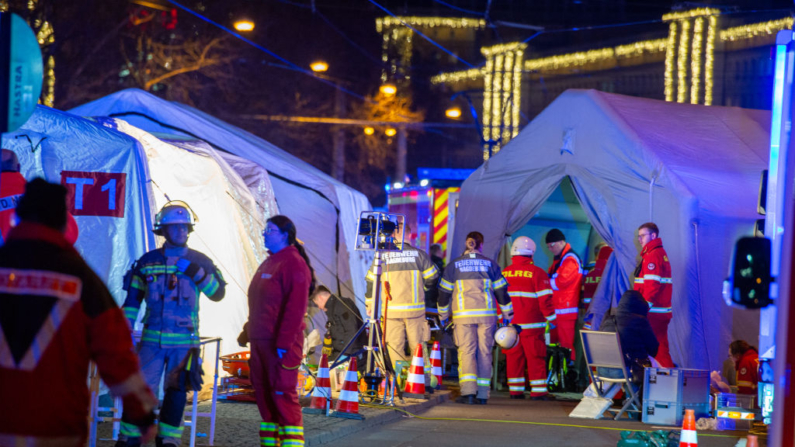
409, 273
473, 286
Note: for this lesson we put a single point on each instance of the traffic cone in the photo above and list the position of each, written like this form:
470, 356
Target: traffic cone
348, 400
321, 395
688, 436
752, 441
415, 382
436, 364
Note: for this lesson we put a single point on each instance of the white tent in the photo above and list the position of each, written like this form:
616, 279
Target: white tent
129, 174
325, 211
694, 170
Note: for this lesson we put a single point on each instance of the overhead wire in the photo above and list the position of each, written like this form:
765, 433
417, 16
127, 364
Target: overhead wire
466, 11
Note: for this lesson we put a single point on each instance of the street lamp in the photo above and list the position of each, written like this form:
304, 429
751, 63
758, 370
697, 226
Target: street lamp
244, 25
319, 66
388, 89
390, 132
453, 112
369, 130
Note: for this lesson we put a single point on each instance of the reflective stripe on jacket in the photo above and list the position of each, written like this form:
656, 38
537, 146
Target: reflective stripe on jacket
566, 279
653, 278
530, 292
410, 273
473, 286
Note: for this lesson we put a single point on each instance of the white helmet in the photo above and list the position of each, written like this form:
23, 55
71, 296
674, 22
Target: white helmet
523, 246
174, 212
507, 337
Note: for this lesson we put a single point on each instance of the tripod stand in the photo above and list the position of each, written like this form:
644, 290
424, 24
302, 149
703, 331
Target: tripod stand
377, 354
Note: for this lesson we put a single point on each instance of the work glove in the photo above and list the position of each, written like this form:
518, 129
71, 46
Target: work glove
190, 269
191, 373
280, 352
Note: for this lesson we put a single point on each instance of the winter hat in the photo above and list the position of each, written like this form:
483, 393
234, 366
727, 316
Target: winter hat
555, 235
43, 202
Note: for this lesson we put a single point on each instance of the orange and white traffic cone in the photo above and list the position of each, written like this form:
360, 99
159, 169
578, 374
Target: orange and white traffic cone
688, 436
348, 400
415, 382
436, 364
321, 395
752, 441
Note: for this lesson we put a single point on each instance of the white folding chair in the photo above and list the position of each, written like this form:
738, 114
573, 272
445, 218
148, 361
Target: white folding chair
605, 359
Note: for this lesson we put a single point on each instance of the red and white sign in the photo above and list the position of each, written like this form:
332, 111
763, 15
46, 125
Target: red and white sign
95, 193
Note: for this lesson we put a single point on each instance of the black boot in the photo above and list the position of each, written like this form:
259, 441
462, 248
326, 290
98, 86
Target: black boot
159, 443
544, 397
131, 442
482, 401
517, 396
468, 399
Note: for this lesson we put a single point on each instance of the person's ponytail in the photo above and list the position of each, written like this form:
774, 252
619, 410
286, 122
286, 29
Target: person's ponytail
302, 252
286, 225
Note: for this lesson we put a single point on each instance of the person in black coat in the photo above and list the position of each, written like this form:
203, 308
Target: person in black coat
637, 339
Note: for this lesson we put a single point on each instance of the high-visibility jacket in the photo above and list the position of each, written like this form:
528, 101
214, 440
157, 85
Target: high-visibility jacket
410, 273
748, 372
171, 280
530, 292
593, 277
653, 278
566, 280
56, 316
472, 286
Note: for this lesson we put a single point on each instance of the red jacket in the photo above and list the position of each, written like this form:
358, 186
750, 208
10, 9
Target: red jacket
748, 372
12, 186
56, 315
277, 301
530, 292
653, 278
566, 278
594, 276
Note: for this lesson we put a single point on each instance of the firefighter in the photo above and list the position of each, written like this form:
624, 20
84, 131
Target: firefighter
531, 297
592, 279
653, 281
277, 302
478, 286
565, 278
170, 279
56, 316
411, 275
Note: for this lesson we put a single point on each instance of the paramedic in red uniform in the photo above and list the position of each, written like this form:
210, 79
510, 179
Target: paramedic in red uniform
592, 280
653, 281
531, 295
56, 316
566, 280
746, 366
277, 300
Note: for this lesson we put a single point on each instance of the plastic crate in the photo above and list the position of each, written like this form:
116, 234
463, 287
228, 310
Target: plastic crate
679, 386
729, 402
671, 413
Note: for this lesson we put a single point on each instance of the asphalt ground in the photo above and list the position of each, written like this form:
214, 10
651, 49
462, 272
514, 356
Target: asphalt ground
439, 423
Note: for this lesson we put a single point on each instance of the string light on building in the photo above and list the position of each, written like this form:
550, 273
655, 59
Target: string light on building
472, 74
517, 92
486, 115
755, 29
709, 65
689, 14
641, 48
502, 94
695, 65
681, 63
383, 23
569, 60
670, 61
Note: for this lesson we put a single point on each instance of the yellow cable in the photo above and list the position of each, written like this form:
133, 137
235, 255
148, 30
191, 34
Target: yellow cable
520, 422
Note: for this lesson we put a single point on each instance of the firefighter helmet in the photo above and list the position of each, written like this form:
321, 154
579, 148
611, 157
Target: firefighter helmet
174, 212
523, 246
507, 337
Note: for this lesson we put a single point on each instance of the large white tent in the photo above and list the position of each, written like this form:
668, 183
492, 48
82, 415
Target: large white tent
126, 175
694, 170
324, 210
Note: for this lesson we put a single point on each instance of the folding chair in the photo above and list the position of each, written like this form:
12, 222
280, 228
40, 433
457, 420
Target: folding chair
603, 350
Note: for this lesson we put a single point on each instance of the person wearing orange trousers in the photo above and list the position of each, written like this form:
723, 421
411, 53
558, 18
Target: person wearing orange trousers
277, 299
565, 275
531, 295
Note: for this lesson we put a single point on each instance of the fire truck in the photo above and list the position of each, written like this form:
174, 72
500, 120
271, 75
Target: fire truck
429, 206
